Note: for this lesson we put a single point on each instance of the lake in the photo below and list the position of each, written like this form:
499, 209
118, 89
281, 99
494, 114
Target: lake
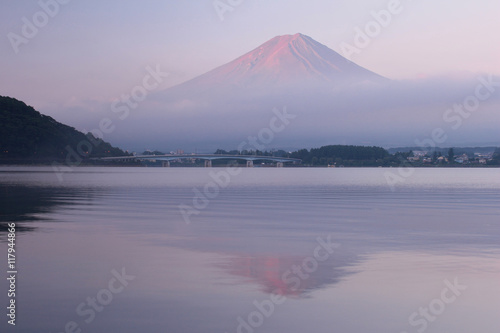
253, 250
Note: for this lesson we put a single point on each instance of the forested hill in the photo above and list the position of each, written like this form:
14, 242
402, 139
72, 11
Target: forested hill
27, 135
342, 154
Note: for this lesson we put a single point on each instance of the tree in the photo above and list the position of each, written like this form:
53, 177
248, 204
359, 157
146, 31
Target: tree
451, 155
434, 156
496, 158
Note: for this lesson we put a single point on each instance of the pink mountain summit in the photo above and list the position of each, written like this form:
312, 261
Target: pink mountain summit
286, 61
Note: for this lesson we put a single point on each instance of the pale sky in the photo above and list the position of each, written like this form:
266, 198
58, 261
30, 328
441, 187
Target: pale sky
92, 51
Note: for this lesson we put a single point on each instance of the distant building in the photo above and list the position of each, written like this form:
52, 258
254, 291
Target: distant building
462, 159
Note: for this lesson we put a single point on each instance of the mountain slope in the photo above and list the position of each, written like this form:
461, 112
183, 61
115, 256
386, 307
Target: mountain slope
285, 61
27, 134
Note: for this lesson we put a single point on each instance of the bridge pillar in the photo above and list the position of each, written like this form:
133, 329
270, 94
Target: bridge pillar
208, 163
165, 164
249, 164
279, 164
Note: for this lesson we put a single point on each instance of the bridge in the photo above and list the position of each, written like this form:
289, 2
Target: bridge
208, 158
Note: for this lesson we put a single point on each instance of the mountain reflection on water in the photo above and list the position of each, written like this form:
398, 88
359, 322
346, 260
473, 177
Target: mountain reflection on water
287, 275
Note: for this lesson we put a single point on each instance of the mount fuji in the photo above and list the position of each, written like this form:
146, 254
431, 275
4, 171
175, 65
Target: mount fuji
332, 99
284, 63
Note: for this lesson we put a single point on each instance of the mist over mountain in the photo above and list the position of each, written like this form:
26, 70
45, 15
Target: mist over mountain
333, 101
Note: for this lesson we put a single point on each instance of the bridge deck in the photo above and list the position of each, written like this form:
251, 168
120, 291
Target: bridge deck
209, 157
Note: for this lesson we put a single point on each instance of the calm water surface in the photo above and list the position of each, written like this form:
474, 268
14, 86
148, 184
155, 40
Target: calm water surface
268, 250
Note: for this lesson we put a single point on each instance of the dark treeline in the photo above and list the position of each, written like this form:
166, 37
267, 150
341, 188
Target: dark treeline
346, 155
496, 157
329, 155
343, 155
